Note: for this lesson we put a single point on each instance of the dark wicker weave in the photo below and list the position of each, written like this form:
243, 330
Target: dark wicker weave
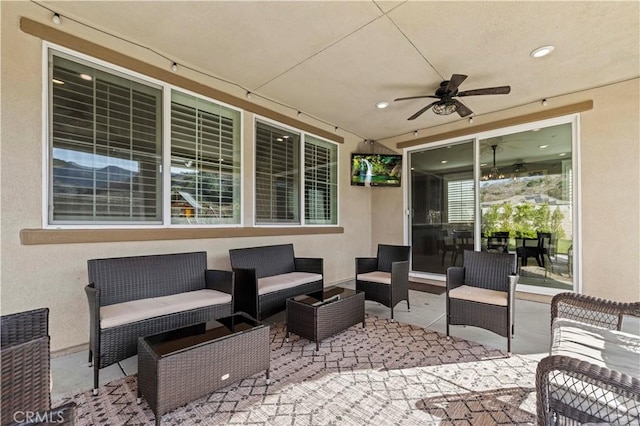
252, 263
117, 280
392, 259
493, 271
316, 323
25, 361
596, 394
172, 380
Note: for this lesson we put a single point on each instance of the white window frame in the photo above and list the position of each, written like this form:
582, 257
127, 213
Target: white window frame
302, 194
165, 181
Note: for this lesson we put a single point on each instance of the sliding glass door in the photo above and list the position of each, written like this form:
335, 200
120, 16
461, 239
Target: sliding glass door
510, 191
442, 201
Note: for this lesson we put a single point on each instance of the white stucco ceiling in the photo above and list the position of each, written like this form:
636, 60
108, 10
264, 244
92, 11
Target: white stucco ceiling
333, 60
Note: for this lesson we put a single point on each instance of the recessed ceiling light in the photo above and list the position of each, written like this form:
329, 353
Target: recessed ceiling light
483, 164
382, 104
56, 81
541, 51
543, 146
86, 77
444, 161
562, 155
279, 139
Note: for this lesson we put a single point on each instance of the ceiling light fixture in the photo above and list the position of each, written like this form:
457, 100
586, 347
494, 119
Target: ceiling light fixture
299, 114
470, 120
494, 173
544, 102
382, 104
562, 154
415, 133
56, 19
543, 146
56, 81
541, 51
86, 77
444, 108
443, 162
174, 67
248, 95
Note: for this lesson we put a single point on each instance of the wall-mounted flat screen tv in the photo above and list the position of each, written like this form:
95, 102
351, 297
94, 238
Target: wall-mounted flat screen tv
376, 169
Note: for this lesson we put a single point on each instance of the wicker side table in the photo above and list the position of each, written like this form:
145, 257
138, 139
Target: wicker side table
182, 365
317, 316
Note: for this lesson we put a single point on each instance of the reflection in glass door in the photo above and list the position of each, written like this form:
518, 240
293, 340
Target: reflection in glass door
525, 193
442, 202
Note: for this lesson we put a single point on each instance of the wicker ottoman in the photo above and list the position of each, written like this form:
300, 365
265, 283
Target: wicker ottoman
182, 365
317, 316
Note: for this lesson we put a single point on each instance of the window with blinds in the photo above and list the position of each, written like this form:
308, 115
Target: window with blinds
105, 147
205, 162
460, 202
320, 182
277, 175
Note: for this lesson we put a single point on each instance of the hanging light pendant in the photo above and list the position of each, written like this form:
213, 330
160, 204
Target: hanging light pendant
494, 173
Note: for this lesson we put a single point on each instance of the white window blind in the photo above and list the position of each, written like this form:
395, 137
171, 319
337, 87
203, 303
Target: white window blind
460, 201
205, 162
320, 182
106, 151
277, 175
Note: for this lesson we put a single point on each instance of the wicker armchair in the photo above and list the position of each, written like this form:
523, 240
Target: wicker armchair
592, 374
385, 278
25, 360
481, 293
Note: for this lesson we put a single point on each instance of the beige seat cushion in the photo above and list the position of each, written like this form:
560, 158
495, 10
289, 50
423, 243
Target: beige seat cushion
480, 295
283, 281
141, 309
376, 277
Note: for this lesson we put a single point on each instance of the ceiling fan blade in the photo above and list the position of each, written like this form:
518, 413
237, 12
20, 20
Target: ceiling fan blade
461, 108
416, 97
456, 80
502, 90
419, 113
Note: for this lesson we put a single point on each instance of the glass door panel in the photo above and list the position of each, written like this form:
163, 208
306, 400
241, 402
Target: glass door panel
526, 189
442, 202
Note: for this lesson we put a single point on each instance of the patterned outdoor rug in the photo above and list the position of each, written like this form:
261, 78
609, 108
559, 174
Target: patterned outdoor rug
387, 374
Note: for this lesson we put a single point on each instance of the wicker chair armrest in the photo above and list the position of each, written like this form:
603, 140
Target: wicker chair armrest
23, 327
219, 280
592, 310
614, 388
400, 277
366, 264
455, 277
309, 264
245, 291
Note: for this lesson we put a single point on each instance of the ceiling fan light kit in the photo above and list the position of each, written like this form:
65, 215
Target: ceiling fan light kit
446, 94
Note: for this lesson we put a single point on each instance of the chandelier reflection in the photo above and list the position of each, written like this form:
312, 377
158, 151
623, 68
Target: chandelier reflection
494, 173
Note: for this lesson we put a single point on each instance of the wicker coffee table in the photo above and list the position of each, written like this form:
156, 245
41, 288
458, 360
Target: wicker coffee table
182, 365
316, 316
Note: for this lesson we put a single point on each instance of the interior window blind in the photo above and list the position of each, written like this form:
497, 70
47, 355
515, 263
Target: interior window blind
205, 162
460, 204
320, 182
277, 175
105, 147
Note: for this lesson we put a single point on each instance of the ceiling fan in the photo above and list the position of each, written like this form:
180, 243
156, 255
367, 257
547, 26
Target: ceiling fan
446, 94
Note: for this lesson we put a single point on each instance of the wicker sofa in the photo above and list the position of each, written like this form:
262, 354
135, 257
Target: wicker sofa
136, 296
266, 276
592, 374
26, 372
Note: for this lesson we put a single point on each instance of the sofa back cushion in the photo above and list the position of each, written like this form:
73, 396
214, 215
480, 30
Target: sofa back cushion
266, 260
121, 279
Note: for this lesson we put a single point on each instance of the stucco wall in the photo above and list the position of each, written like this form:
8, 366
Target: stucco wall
609, 156
55, 275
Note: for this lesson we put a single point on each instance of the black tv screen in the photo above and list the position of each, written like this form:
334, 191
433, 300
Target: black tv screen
376, 169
